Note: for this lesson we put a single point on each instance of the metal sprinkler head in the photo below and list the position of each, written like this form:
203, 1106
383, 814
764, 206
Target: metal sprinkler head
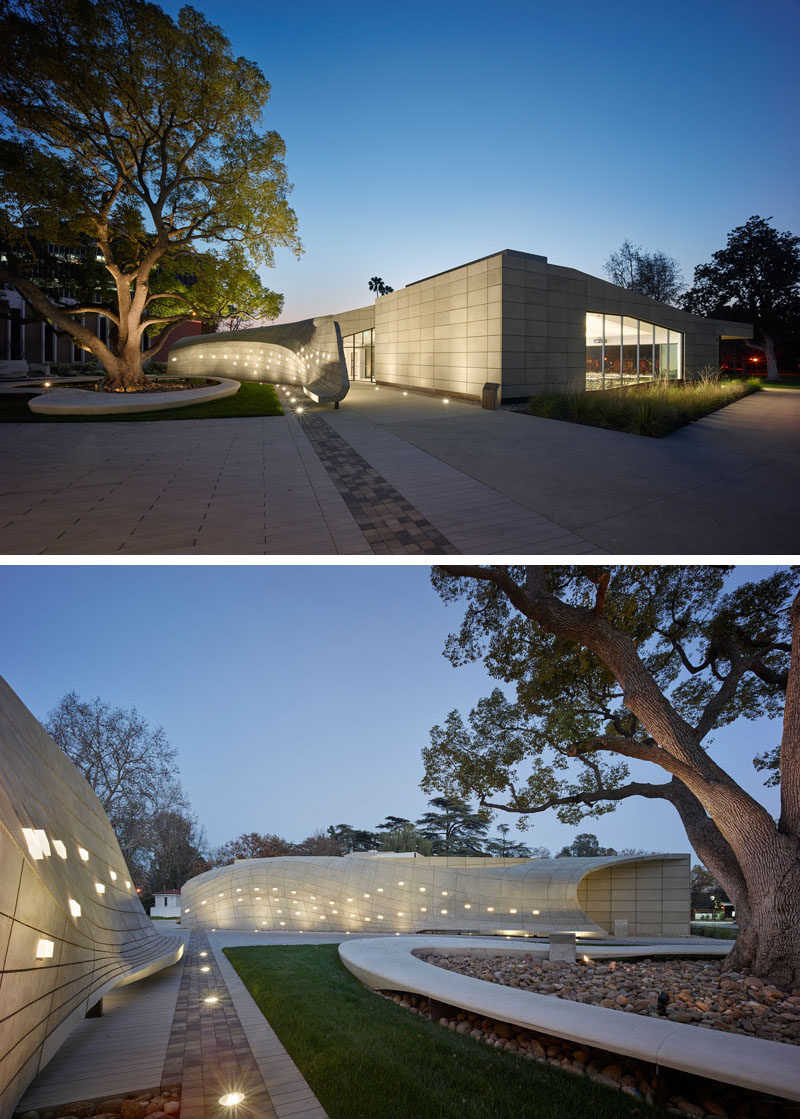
662, 1001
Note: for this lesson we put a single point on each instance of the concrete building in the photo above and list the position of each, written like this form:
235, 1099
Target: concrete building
71, 924
639, 896
511, 319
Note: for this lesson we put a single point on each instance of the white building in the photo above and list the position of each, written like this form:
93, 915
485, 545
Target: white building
167, 904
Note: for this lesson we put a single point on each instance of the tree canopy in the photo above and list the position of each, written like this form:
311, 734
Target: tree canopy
134, 142
133, 770
653, 274
637, 663
755, 279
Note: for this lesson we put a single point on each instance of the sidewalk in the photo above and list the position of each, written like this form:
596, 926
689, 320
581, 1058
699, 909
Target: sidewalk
161, 1032
399, 474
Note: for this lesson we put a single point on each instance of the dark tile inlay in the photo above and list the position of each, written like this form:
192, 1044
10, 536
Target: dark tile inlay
208, 1052
389, 522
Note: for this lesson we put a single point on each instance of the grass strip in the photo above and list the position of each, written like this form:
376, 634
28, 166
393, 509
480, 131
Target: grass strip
252, 399
366, 1058
655, 409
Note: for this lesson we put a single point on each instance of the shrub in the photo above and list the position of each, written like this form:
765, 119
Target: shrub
654, 409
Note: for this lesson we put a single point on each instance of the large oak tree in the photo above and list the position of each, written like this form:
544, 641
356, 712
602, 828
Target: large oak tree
136, 179
755, 279
642, 663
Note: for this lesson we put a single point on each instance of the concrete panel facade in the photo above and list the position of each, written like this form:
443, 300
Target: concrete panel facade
409, 894
510, 318
71, 924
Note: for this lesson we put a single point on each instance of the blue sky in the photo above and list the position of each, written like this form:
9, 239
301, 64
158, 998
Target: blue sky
422, 135
296, 697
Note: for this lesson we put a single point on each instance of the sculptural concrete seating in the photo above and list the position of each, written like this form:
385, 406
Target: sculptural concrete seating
71, 924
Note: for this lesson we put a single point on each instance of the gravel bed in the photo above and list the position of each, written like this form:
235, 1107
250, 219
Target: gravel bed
698, 991
156, 1104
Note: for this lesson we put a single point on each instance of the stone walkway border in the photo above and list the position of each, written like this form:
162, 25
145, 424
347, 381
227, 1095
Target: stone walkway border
208, 1053
752, 1063
390, 523
290, 1095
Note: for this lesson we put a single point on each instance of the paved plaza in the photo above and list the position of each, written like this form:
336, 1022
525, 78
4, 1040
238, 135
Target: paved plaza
397, 473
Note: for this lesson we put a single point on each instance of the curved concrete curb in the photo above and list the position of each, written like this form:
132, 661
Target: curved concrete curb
761, 1066
82, 402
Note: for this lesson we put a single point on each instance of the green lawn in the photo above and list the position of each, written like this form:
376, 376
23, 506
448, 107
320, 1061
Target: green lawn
252, 399
656, 409
366, 1058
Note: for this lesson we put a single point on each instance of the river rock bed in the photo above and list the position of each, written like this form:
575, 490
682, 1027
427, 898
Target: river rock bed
699, 992
156, 1104
680, 1094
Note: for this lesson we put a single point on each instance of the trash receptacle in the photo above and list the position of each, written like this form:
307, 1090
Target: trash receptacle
490, 397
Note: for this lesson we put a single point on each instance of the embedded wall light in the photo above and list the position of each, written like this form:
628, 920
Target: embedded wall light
74, 908
401, 883
423, 909
128, 886
59, 848
100, 887
45, 949
38, 845
443, 912
84, 854
211, 999
204, 954
205, 967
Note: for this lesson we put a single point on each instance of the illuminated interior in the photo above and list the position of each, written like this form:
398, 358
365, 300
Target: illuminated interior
621, 351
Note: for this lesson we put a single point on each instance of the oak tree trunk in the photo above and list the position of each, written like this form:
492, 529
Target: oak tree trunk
772, 363
769, 919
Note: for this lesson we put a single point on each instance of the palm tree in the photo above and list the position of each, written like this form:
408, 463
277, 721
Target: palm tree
377, 285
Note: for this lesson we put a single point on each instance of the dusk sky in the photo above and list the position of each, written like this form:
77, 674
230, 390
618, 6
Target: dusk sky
423, 135
296, 697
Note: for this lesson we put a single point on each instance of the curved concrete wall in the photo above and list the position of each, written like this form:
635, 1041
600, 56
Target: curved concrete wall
71, 924
308, 354
368, 894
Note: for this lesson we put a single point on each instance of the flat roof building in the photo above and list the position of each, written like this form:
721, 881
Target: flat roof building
510, 319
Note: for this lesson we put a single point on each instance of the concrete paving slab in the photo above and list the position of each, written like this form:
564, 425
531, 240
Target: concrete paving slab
461, 480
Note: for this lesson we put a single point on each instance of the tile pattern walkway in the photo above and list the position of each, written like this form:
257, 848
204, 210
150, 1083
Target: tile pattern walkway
389, 522
159, 1033
208, 1051
290, 1095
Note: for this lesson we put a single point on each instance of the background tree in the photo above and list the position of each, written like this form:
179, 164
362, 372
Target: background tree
131, 767
453, 827
352, 839
639, 663
501, 847
406, 838
177, 852
133, 139
585, 846
653, 274
393, 823
251, 845
755, 279
377, 285
318, 843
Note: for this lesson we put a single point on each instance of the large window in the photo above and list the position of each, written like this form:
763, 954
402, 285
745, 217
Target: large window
622, 351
